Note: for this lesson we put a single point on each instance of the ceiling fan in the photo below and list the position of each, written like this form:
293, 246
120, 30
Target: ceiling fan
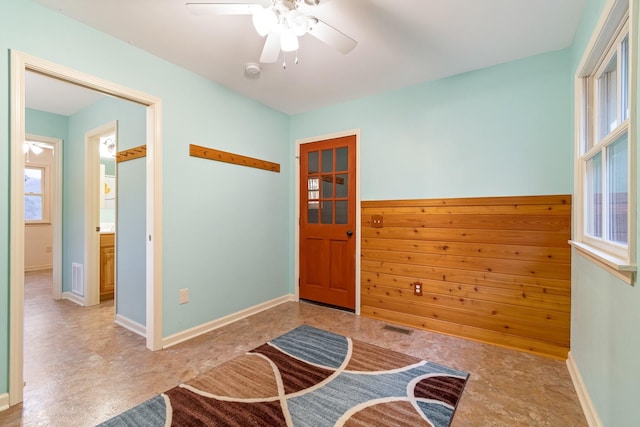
282, 23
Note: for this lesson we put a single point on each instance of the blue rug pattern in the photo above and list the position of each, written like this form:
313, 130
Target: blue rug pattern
310, 377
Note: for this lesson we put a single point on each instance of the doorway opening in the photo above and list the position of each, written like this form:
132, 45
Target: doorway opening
43, 207
108, 204
100, 213
20, 64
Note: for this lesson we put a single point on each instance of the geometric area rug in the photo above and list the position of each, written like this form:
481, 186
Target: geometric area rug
309, 377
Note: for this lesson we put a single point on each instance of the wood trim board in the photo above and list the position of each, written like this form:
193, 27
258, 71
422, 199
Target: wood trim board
236, 159
131, 153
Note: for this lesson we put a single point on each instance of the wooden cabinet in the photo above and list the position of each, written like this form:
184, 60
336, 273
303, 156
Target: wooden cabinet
107, 264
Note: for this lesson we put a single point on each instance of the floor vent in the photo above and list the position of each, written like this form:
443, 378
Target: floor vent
398, 330
77, 287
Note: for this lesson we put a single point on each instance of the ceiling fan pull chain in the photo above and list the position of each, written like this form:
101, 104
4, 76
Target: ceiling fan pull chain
284, 60
296, 58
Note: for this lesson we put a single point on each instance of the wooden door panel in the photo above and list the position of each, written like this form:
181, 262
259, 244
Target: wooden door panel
313, 254
339, 253
327, 221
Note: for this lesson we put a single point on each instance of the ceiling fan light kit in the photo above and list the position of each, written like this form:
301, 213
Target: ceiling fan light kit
265, 21
284, 19
288, 40
30, 146
282, 23
298, 22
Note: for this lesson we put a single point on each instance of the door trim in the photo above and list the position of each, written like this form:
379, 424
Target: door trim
92, 211
296, 268
20, 63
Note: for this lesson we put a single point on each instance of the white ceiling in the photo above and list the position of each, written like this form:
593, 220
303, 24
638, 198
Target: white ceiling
400, 42
55, 96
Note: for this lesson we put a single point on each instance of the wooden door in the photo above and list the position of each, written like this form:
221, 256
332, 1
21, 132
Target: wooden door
328, 221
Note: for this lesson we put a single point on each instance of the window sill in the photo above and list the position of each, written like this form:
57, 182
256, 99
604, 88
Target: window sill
614, 265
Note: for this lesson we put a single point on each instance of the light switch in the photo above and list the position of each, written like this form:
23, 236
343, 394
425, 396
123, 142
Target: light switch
184, 296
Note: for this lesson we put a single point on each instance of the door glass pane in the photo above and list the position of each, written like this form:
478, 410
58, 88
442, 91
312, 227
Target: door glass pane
617, 191
342, 212
312, 158
312, 213
313, 194
342, 185
327, 160
607, 99
312, 187
327, 186
593, 196
33, 208
327, 212
342, 159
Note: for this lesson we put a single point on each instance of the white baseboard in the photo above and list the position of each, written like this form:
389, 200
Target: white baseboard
4, 401
73, 298
583, 394
38, 267
215, 324
129, 324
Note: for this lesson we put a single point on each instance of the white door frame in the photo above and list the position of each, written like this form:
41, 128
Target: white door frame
296, 268
20, 63
56, 208
92, 211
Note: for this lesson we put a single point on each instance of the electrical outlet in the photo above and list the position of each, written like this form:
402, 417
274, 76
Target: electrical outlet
417, 288
184, 296
376, 221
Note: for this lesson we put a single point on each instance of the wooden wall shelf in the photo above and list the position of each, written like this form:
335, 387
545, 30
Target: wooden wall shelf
236, 159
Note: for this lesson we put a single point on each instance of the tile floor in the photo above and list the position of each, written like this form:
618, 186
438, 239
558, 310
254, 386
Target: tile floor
81, 368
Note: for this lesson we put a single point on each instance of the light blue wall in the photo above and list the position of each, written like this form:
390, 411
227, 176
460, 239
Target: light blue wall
109, 163
605, 318
226, 228
42, 123
501, 131
131, 214
130, 256
228, 232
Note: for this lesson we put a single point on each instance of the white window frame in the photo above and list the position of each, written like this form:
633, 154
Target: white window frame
614, 24
46, 195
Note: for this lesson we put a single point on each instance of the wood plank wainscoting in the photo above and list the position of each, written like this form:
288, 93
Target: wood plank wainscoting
496, 269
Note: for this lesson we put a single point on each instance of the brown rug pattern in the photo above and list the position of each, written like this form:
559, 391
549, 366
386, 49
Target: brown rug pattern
309, 377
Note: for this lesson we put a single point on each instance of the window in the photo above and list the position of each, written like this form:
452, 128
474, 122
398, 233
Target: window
605, 229
36, 203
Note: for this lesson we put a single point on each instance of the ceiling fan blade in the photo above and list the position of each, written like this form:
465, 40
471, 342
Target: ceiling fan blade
331, 36
271, 50
223, 8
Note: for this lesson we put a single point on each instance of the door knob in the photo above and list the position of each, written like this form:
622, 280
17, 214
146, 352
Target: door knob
349, 233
